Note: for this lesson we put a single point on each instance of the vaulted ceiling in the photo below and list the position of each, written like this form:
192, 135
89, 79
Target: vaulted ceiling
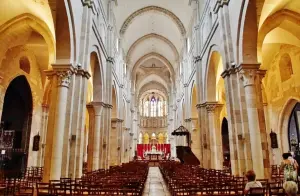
152, 37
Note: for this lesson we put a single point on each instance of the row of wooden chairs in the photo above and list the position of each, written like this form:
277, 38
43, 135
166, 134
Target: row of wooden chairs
194, 180
127, 179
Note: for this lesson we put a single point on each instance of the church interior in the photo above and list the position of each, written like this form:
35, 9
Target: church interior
149, 97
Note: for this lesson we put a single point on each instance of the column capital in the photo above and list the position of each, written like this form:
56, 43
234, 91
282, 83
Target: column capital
188, 120
211, 106
64, 78
96, 107
82, 72
229, 71
119, 120
248, 73
63, 72
200, 105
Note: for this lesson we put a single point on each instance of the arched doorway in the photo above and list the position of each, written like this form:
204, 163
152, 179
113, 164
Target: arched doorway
225, 143
293, 128
16, 120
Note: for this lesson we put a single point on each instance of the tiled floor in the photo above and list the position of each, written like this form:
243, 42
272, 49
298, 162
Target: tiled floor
155, 185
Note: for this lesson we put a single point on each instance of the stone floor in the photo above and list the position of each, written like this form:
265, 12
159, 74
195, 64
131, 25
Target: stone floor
155, 185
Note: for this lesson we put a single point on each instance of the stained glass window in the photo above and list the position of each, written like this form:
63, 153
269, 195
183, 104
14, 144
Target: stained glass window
146, 108
153, 107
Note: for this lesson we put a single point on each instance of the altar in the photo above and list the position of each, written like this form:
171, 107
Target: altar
153, 151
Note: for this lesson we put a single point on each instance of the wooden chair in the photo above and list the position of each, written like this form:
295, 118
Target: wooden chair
44, 189
259, 191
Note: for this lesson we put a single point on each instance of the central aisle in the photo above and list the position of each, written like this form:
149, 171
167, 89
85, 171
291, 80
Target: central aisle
155, 185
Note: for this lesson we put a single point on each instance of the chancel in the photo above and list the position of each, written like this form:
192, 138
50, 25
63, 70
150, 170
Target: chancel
149, 97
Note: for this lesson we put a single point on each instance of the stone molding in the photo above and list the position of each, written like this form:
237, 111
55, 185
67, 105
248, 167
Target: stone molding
100, 103
197, 59
219, 4
110, 60
141, 11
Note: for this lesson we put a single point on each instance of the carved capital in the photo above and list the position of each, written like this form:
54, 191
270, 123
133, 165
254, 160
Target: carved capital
248, 73
109, 106
228, 72
261, 74
211, 106
79, 71
95, 107
119, 120
64, 78
188, 120
200, 105
197, 59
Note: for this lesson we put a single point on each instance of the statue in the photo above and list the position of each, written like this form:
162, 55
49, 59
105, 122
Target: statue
153, 148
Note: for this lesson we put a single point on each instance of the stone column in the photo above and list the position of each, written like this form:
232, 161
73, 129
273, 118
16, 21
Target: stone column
105, 138
119, 140
78, 122
43, 134
213, 109
262, 123
64, 79
248, 75
205, 156
239, 138
134, 132
95, 110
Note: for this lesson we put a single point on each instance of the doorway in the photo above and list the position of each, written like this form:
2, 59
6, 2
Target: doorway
16, 126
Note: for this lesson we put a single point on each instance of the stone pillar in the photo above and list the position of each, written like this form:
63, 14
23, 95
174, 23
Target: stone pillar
119, 140
95, 112
43, 135
135, 133
64, 79
239, 138
215, 136
204, 132
78, 122
105, 138
248, 75
262, 123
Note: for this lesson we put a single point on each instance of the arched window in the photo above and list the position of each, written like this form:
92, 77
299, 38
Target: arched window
160, 108
146, 108
153, 107
294, 133
285, 67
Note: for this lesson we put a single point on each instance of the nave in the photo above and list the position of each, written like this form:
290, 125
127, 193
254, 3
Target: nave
155, 184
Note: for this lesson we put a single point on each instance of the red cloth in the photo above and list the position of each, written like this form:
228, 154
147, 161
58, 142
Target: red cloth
142, 148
